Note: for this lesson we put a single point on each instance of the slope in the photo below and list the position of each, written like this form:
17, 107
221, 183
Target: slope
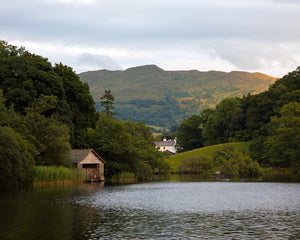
162, 98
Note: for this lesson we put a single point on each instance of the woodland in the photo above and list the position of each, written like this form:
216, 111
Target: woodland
269, 121
46, 110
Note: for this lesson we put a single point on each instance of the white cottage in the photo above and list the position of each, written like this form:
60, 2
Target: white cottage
167, 146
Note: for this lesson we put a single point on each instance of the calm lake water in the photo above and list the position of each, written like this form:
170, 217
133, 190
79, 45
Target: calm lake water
179, 208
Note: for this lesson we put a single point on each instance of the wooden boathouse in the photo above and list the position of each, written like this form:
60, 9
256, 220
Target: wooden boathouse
89, 162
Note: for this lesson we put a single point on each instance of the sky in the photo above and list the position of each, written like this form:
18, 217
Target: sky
224, 35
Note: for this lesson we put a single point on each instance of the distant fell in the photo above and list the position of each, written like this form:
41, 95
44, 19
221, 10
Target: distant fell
163, 98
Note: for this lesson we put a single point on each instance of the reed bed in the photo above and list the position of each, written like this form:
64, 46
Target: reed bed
57, 175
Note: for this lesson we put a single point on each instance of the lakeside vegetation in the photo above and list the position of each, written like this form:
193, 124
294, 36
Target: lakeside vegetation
176, 160
45, 111
269, 121
44, 175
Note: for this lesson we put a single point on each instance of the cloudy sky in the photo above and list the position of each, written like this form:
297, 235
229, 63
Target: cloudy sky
226, 35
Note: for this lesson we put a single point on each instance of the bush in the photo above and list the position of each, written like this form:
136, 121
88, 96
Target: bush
232, 162
196, 164
143, 171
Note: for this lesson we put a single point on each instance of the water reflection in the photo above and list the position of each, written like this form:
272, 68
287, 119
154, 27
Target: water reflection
168, 209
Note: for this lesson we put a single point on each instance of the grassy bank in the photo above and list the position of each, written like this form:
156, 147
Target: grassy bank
45, 175
176, 159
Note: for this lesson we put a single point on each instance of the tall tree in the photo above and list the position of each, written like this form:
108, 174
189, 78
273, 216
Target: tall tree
107, 101
283, 146
223, 122
25, 76
49, 137
79, 112
189, 134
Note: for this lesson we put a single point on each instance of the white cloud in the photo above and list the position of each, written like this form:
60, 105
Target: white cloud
89, 61
252, 35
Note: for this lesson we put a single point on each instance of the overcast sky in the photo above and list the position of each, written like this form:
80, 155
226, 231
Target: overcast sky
226, 35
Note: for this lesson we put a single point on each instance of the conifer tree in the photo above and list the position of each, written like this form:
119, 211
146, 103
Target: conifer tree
107, 101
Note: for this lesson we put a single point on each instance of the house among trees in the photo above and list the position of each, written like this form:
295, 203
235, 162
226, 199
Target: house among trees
89, 162
167, 146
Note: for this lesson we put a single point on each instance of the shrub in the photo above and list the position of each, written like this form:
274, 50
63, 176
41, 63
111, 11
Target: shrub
143, 171
196, 164
232, 162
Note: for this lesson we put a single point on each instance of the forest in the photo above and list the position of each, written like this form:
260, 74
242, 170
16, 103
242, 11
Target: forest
46, 110
269, 121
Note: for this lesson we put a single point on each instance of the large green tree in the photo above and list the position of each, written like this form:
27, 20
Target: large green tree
25, 76
16, 163
126, 146
223, 122
189, 134
50, 137
79, 112
283, 145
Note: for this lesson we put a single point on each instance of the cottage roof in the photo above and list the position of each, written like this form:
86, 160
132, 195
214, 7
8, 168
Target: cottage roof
77, 155
167, 143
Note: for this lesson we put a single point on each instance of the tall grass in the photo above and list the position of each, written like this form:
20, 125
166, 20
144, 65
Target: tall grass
56, 175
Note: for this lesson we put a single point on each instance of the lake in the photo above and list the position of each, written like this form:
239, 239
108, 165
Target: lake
175, 208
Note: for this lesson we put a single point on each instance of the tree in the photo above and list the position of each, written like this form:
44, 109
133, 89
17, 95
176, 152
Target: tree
3, 114
189, 134
126, 146
283, 145
49, 137
224, 122
78, 112
25, 76
107, 101
16, 163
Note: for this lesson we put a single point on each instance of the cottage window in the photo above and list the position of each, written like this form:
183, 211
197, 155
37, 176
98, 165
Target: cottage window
90, 165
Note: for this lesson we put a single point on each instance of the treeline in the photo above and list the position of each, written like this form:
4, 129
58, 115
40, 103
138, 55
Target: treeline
269, 120
46, 110
163, 112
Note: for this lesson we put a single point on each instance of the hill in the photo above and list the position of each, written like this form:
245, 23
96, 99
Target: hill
208, 151
162, 98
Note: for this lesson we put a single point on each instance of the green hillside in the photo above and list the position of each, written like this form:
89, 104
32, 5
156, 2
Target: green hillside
176, 159
162, 98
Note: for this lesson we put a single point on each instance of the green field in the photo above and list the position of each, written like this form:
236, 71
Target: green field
176, 159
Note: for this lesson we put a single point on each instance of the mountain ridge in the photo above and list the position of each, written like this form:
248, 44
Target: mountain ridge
144, 90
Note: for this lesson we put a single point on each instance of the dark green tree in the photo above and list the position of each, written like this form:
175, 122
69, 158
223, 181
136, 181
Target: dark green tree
107, 102
49, 137
79, 112
25, 76
16, 163
189, 134
126, 146
224, 122
283, 145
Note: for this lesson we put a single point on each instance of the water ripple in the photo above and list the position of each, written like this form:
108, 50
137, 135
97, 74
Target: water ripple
179, 210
